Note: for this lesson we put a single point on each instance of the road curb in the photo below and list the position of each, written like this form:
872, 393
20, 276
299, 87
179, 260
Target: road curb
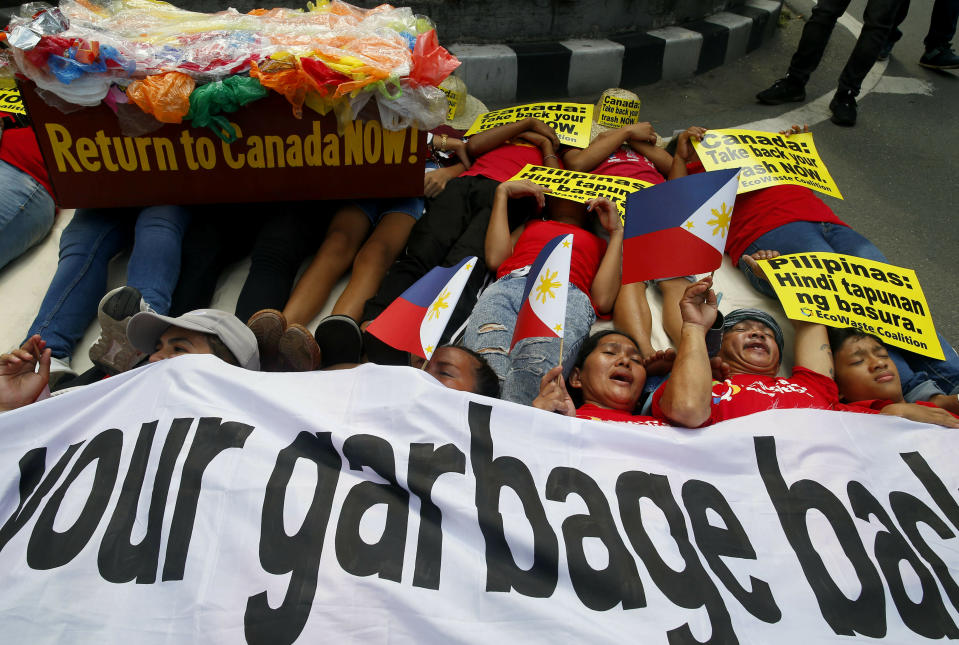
523, 72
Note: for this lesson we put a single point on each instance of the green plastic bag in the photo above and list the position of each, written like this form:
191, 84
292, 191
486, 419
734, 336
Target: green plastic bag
208, 103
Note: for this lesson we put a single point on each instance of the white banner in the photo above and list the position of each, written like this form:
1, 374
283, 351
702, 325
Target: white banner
193, 502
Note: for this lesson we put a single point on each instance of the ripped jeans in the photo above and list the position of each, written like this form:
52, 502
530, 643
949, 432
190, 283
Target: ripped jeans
490, 332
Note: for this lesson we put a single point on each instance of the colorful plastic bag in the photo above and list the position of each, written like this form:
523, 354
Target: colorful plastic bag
165, 96
209, 101
431, 63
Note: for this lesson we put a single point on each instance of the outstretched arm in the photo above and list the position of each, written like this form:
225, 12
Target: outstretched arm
609, 275
921, 413
20, 384
499, 243
687, 394
812, 342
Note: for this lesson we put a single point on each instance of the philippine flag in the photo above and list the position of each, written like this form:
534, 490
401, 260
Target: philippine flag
415, 321
543, 312
678, 227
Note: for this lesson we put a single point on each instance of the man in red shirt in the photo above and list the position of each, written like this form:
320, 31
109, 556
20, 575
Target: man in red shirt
752, 348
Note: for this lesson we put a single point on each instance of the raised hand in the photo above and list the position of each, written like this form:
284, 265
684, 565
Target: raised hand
698, 305
20, 382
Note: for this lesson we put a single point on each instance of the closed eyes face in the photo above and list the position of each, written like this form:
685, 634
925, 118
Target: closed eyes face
454, 368
750, 347
612, 376
865, 372
176, 341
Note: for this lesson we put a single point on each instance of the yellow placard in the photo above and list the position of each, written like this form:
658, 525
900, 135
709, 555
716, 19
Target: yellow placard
571, 121
617, 112
767, 159
844, 291
10, 100
583, 186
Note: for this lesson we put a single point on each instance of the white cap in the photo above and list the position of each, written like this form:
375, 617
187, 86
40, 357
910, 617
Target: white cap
146, 327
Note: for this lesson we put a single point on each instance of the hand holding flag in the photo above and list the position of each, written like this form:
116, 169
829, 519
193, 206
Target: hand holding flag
415, 321
679, 227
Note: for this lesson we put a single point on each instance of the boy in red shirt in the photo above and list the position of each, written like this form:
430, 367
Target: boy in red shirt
868, 380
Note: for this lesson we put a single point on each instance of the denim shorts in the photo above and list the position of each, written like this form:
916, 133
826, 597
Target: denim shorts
375, 209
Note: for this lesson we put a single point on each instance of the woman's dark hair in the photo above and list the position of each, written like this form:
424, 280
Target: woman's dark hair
220, 350
487, 383
590, 345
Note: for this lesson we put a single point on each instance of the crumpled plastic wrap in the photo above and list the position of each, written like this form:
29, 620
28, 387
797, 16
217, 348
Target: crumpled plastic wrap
166, 96
208, 102
325, 57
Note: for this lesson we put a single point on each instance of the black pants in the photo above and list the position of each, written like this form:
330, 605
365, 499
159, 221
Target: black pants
277, 236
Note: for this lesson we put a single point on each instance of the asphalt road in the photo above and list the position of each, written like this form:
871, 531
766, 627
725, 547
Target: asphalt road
896, 168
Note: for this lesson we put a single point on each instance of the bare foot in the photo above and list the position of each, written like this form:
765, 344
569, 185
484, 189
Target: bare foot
660, 362
754, 266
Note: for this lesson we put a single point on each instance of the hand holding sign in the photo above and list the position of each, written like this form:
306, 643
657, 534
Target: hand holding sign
766, 159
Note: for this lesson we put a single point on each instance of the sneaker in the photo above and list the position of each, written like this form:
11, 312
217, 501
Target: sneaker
785, 90
60, 369
886, 51
112, 352
940, 58
298, 352
843, 106
340, 340
268, 326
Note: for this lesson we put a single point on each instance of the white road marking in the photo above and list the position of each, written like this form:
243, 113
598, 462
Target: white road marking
902, 85
817, 110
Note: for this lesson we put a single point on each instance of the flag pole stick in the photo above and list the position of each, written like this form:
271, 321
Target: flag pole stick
561, 338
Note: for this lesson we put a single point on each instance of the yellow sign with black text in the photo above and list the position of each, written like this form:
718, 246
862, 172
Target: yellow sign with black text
767, 159
583, 186
844, 291
10, 99
571, 121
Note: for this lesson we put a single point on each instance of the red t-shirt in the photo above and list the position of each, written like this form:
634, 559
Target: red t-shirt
588, 251
596, 413
743, 394
18, 147
502, 163
629, 163
875, 406
760, 211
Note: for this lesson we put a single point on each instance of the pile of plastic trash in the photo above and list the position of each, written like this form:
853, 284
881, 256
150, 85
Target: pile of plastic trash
175, 64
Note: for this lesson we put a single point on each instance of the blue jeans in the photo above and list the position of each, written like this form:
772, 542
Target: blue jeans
921, 376
490, 332
26, 212
87, 244
877, 20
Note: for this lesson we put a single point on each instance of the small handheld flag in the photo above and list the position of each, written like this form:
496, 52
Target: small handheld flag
543, 312
678, 227
415, 321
